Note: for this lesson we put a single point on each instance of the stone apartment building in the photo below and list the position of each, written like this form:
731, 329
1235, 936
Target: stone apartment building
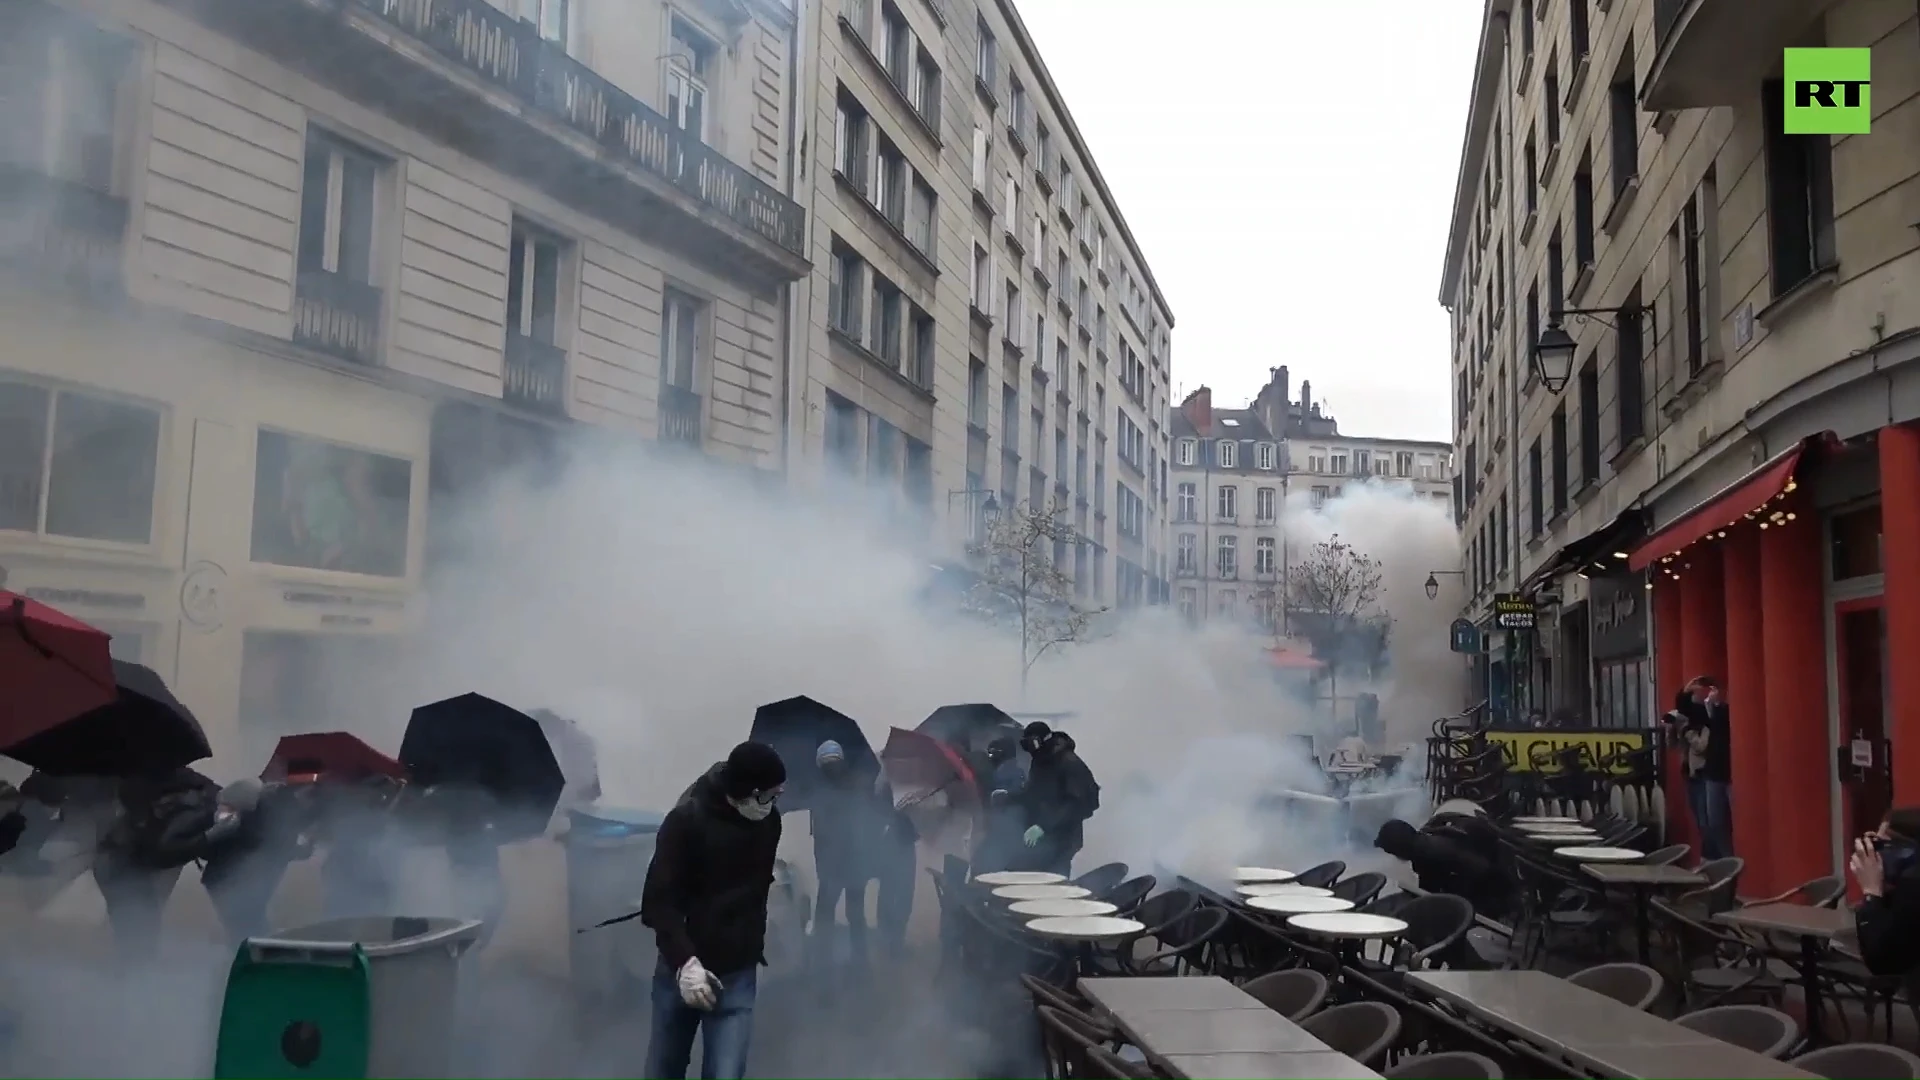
1234, 471
1686, 390
283, 272
981, 329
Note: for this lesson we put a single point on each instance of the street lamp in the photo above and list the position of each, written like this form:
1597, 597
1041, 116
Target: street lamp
1433, 581
987, 513
1553, 353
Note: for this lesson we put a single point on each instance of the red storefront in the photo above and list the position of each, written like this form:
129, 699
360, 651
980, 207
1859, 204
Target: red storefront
1778, 585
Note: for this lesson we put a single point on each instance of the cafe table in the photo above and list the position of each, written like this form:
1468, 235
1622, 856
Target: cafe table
1815, 927
1592, 1030
1642, 879
1206, 1028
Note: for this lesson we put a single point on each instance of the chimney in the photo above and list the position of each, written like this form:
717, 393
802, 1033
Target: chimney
1198, 409
1279, 419
1306, 397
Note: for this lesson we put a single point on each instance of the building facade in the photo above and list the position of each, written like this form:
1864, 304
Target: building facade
1233, 473
1713, 486
282, 275
980, 327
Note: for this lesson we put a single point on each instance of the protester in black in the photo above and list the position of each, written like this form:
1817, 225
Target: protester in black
1886, 864
1446, 858
706, 900
848, 823
1060, 795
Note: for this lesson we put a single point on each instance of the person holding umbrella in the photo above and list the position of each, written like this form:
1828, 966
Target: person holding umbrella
705, 899
1060, 795
848, 823
1005, 822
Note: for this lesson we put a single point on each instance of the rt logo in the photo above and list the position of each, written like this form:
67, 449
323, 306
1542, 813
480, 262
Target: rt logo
1827, 91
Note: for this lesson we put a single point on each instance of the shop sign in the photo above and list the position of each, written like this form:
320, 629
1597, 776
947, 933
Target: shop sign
344, 610
1618, 605
1518, 747
1463, 636
1511, 611
87, 598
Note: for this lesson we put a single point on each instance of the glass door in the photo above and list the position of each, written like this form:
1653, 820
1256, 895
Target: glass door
1860, 664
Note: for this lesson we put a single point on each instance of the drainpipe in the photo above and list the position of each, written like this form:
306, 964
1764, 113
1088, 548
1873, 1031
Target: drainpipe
1520, 355
794, 40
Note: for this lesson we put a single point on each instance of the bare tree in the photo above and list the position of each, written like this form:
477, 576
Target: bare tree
1334, 590
1023, 589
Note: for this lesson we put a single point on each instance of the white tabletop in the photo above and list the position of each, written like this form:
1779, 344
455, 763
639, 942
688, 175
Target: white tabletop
1349, 924
1599, 854
1281, 889
1546, 821
1086, 927
1041, 892
1299, 905
1021, 877
1264, 874
1055, 909
1545, 827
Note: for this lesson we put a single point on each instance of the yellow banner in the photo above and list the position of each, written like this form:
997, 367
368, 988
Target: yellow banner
1518, 747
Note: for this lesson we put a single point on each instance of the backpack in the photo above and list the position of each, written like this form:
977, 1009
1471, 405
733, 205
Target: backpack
165, 828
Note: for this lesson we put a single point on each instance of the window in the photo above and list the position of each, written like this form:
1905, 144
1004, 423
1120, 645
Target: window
533, 283
860, 14
1265, 505
890, 179
550, 16
1263, 456
1550, 85
920, 356
1532, 164
1337, 463
1629, 369
1623, 111
1189, 604
1696, 253
922, 212
982, 159
1556, 276
1536, 509
982, 286
1263, 555
895, 47
1533, 318
64, 109
1590, 423
1009, 419
1229, 502
1017, 106
1228, 557
1318, 496
1583, 210
889, 320
977, 392
1579, 29
986, 60
846, 285
843, 434
1013, 311
690, 54
1186, 503
362, 533
883, 452
1403, 463
1187, 554
1799, 197
853, 133
337, 209
77, 465
1558, 432
1525, 19
1225, 603
1228, 451
924, 91
1317, 455
681, 330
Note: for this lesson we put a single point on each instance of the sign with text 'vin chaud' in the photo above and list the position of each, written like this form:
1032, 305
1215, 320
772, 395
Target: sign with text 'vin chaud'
1828, 91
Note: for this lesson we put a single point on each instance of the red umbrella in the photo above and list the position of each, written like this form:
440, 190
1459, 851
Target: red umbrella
54, 667
916, 760
329, 755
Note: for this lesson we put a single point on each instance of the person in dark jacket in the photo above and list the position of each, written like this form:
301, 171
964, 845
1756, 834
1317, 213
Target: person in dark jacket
162, 826
1452, 856
896, 868
1005, 819
706, 900
1059, 797
1701, 719
260, 831
846, 823
1886, 864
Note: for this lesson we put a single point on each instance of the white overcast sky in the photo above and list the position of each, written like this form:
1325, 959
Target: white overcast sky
1287, 167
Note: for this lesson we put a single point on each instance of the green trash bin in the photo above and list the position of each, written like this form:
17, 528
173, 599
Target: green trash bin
346, 998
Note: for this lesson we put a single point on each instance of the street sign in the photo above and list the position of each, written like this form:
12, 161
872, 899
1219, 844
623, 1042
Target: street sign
1465, 637
1512, 611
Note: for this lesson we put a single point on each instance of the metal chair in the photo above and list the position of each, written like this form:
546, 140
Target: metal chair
1295, 994
1129, 894
1322, 876
1435, 923
1363, 1030
1102, 880
1183, 944
1669, 855
1861, 1061
1633, 985
1360, 889
1452, 1065
1767, 1032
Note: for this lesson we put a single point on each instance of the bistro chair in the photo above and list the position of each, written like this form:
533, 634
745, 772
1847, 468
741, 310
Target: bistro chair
1362, 1030
1102, 880
1322, 876
1861, 1061
1360, 889
1767, 1032
1435, 923
1714, 964
1067, 1043
1127, 896
1634, 985
1295, 994
1669, 855
1453, 1065
1183, 944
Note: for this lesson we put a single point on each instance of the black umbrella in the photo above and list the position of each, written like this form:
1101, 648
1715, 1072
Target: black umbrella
795, 728
579, 756
145, 730
475, 742
970, 727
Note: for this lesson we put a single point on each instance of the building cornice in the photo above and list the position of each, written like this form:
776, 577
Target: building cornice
1482, 106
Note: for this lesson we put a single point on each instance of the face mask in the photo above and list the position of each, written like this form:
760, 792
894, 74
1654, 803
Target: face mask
1896, 856
1031, 746
752, 809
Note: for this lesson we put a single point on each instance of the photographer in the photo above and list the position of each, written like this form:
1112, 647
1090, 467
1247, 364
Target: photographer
1886, 864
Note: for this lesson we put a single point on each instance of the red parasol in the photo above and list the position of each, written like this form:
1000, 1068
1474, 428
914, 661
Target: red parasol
54, 667
914, 759
329, 755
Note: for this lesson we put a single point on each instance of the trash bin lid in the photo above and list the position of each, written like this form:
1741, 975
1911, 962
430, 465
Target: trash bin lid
612, 821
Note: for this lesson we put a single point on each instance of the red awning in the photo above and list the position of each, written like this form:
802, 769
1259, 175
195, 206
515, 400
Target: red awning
1291, 660
1736, 501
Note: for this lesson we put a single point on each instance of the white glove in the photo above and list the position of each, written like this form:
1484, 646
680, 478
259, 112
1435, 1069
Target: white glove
699, 988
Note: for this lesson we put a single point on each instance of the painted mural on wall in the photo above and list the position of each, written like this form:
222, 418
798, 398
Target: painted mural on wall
322, 506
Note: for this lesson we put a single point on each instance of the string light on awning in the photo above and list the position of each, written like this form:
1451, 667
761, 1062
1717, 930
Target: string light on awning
1776, 511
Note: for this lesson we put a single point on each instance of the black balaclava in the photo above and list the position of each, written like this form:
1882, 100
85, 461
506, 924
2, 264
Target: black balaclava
1034, 739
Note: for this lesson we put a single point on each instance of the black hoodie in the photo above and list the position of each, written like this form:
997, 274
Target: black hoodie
706, 892
1060, 795
1888, 925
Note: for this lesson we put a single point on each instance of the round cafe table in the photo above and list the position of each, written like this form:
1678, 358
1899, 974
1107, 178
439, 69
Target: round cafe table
1061, 909
1281, 889
1083, 932
1299, 905
1352, 929
1021, 877
1041, 892
1266, 875
1599, 854
1538, 820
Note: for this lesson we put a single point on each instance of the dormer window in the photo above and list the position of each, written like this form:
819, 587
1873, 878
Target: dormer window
1263, 456
1229, 453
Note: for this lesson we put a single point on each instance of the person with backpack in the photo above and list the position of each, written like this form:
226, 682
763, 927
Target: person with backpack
1059, 796
161, 825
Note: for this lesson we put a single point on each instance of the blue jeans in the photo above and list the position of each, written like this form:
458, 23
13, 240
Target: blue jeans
725, 1032
1712, 804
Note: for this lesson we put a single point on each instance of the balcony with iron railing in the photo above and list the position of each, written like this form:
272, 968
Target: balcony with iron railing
679, 416
536, 373
61, 233
488, 85
1716, 52
336, 315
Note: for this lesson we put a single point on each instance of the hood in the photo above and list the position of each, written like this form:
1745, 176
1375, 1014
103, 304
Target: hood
705, 792
1061, 743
